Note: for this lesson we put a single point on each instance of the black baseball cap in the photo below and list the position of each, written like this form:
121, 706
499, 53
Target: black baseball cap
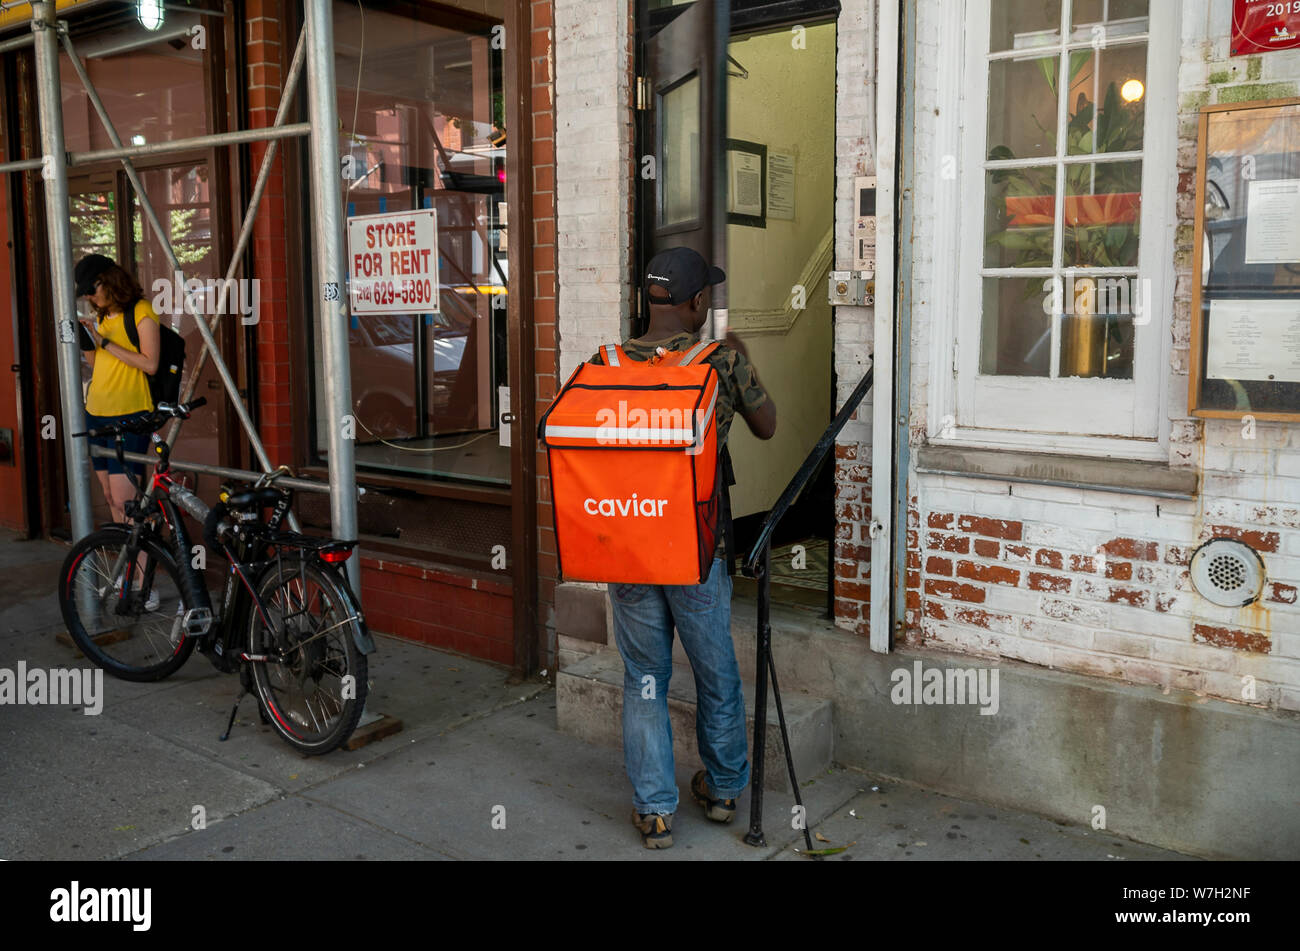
682, 272
88, 269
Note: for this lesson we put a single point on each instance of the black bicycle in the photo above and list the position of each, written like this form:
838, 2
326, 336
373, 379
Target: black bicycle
135, 601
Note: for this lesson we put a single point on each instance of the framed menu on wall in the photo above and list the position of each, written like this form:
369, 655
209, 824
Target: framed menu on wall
1246, 295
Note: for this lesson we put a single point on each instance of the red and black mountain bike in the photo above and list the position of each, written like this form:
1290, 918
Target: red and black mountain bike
134, 598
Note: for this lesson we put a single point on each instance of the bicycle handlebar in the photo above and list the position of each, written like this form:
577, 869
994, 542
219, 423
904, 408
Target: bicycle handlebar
148, 424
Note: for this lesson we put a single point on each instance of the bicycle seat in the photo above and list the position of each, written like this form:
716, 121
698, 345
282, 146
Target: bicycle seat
151, 423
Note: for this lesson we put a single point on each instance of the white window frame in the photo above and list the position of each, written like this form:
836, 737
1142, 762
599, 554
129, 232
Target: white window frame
1082, 416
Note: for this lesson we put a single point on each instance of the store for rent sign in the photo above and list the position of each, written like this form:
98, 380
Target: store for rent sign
393, 262
1259, 26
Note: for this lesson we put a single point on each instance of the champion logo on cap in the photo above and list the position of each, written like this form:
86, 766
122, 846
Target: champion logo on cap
683, 273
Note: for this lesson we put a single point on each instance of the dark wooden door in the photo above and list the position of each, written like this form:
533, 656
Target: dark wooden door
682, 99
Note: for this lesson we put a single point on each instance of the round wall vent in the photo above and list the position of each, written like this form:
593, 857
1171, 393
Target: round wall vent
1227, 572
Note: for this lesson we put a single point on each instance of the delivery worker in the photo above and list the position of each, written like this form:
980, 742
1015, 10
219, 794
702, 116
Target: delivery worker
677, 285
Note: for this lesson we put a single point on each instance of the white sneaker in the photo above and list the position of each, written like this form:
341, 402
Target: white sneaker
150, 604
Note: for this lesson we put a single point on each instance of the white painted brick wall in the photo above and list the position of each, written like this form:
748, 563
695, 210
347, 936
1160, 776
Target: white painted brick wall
1247, 483
855, 131
593, 188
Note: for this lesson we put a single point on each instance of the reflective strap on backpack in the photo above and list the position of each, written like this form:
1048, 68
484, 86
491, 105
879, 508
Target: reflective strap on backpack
698, 353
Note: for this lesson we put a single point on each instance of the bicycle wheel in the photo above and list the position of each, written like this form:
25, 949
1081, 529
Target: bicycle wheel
128, 622
314, 687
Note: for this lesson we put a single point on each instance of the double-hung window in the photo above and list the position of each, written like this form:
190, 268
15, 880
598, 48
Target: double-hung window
1066, 215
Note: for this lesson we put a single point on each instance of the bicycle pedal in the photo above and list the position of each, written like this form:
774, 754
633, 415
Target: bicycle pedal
196, 622
178, 627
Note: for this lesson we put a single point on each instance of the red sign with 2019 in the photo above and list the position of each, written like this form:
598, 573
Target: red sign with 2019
1262, 25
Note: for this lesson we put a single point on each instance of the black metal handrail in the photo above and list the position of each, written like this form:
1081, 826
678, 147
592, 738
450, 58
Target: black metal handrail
807, 470
758, 566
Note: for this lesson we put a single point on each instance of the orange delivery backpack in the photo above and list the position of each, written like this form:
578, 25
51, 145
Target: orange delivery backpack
633, 453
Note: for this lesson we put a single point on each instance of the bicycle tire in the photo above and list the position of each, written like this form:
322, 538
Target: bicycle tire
286, 688
141, 644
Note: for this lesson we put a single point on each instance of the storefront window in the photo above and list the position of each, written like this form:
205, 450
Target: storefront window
151, 83
423, 127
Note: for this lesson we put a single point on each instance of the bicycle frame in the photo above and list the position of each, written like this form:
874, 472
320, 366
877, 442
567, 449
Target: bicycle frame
239, 596
283, 595
237, 600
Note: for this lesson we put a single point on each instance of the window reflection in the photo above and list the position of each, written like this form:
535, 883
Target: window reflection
151, 83
423, 120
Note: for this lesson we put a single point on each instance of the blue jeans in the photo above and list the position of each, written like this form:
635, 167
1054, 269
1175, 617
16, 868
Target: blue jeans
644, 616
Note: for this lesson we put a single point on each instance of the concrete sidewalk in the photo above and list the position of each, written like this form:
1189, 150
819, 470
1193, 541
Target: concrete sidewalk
476, 754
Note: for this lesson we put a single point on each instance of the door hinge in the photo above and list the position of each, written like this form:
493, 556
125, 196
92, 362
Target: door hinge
954, 359
642, 93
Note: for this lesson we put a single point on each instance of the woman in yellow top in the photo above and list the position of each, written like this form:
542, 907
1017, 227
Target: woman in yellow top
119, 387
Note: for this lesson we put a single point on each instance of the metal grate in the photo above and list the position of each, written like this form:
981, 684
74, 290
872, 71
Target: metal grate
1227, 572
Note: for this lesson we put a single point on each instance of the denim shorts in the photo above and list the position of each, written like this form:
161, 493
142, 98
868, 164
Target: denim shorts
131, 442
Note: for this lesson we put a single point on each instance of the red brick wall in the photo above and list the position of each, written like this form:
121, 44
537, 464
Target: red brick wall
1095, 583
274, 406
461, 611
852, 543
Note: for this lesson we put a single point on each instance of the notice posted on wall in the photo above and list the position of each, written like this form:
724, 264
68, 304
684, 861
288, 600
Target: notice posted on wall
393, 262
745, 194
780, 185
1273, 222
1254, 340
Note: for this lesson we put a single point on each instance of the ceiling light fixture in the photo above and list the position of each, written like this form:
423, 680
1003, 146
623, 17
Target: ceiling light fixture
150, 14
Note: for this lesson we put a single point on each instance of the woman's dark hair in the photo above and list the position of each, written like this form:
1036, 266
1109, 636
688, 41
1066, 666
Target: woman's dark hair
120, 287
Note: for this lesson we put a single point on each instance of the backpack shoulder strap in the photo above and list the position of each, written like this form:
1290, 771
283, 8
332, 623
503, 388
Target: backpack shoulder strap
128, 321
698, 353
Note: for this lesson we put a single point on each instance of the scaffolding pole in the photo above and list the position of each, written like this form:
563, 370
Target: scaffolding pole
239, 137
17, 43
21, 165
223, 472
58, 228
330, 291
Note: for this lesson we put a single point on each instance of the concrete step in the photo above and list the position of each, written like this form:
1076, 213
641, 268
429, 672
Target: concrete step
805, 646
589, 705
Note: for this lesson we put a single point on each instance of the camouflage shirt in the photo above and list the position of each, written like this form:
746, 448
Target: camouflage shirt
738, 387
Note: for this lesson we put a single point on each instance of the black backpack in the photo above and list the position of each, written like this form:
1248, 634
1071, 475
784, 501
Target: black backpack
165, 382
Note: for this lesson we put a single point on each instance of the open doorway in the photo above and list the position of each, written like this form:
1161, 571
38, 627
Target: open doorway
779, 165
781, 122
